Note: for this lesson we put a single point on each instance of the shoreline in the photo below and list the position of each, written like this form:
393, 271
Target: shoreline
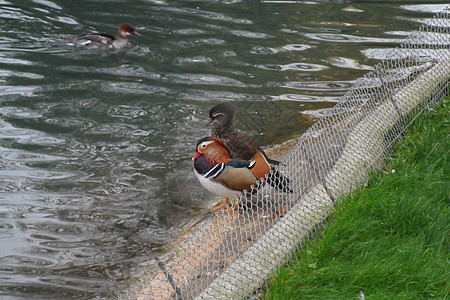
156, 264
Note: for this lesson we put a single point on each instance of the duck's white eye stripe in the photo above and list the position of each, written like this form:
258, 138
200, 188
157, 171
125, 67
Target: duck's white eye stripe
214, 171
204, 144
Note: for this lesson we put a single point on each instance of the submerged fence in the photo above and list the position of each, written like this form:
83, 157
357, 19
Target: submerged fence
232, 254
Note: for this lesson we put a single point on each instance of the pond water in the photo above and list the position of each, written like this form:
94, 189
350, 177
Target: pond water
95, 148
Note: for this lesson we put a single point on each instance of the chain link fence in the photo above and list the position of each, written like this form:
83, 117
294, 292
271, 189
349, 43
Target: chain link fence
231, 254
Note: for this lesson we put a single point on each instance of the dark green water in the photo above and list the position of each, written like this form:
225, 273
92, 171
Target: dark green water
95, 148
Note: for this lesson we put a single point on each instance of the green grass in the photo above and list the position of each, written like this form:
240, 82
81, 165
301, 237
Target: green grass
389, 240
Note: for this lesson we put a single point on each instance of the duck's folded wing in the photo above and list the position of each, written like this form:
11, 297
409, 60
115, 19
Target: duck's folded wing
242, 146
94, 38
237, 176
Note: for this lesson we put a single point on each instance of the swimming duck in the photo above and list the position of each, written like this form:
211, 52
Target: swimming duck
104, 41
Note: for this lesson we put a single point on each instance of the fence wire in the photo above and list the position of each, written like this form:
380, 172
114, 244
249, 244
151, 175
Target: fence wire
231, 254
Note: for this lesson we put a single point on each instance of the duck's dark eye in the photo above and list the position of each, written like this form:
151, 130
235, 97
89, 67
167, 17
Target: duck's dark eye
203, 146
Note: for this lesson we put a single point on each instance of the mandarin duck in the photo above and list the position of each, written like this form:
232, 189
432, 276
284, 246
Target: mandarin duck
240, 145
103, 40
224, 176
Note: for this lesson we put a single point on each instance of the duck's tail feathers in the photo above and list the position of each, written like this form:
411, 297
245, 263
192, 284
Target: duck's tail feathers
273, 161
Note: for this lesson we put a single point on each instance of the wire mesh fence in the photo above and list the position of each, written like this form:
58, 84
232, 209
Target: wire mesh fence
231, 254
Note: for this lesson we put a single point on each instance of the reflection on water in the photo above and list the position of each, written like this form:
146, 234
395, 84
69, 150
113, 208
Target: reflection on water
331, 37
429, 7
95, 148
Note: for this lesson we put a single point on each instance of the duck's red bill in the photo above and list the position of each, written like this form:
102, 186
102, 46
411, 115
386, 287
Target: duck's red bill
197, 154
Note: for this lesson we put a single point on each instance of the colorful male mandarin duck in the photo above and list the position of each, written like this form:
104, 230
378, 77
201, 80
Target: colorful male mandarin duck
224, 176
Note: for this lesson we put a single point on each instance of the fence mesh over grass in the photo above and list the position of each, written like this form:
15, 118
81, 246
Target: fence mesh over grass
231, 254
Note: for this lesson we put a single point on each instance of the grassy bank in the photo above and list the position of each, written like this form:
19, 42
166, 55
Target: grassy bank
389, 240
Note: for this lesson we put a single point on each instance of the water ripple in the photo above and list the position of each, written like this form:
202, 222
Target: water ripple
18, 112
25, 156
64, 19
36, 174
305, 67
192, 60
263, 50
26, 91
129, 112
201, 79
344, 62
347, 38
24, 261
137, 88
9, 12
296, 47
431, 8
6, 73
203, 14
27, 136
189, 31
306, 98
317, 85
48, 4
250, 34
212, 41
5, 59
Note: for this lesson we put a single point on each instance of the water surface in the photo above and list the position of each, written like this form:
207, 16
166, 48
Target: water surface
95, 148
